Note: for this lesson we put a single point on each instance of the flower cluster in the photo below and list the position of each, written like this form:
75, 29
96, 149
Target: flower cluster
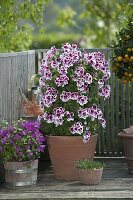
71, 83
21, 141
49, 97
83, 80
66, 96
94, 113
58, 115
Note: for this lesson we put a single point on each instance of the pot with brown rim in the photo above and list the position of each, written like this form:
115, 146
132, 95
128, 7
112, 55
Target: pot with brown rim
127, 138
90, 171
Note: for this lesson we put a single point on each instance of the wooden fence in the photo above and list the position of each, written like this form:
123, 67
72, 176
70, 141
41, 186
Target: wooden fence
118, 109
15, 72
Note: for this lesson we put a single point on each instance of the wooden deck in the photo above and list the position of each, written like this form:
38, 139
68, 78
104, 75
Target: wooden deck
116, 184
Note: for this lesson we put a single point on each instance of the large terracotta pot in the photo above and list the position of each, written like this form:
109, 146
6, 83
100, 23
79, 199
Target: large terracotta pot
128, 149
65, 151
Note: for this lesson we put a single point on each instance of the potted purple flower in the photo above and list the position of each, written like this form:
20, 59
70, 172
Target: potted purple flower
71, 84
20, 145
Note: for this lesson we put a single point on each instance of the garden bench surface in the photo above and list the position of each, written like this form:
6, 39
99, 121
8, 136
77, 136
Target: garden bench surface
116, 184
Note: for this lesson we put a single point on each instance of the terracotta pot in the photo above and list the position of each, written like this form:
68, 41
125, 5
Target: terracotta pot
21, 173
90, 177
65, 151
128, 149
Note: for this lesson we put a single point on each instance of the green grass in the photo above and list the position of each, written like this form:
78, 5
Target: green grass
89, 164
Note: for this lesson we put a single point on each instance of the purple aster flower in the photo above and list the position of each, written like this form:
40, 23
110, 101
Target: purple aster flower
17, 137
41, 148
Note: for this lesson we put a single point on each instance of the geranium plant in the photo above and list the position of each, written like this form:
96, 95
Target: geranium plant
71, 83
20, 141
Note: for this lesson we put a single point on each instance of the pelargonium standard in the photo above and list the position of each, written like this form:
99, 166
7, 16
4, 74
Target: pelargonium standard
20, 141
71, 84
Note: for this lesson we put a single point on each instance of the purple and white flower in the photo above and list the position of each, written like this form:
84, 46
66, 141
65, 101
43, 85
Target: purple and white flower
65, 96
61, 80
87, 136
83, 113
74, 95
77, 128
82, 100
69, 115
102, 122
49, 97
105, 91
88, 78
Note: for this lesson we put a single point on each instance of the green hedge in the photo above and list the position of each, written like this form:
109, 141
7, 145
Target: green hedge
47, 40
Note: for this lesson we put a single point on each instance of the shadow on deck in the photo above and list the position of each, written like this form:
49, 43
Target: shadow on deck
116, 184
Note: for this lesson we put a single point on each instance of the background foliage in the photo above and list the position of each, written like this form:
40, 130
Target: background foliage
96, 21
45, 41
17, 19
123, 48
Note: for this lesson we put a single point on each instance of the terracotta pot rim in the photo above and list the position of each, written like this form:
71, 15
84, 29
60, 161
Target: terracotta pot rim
125, 135
72, 136
88, 170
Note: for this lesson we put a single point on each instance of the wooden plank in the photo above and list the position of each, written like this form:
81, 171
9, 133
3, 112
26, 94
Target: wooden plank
107, 149
127, 117
31, 64
117, 115
131, 103
122, 106
2, 55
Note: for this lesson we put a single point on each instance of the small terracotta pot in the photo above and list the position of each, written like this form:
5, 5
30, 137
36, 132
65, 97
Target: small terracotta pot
128, 149
90, 177
64, 151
